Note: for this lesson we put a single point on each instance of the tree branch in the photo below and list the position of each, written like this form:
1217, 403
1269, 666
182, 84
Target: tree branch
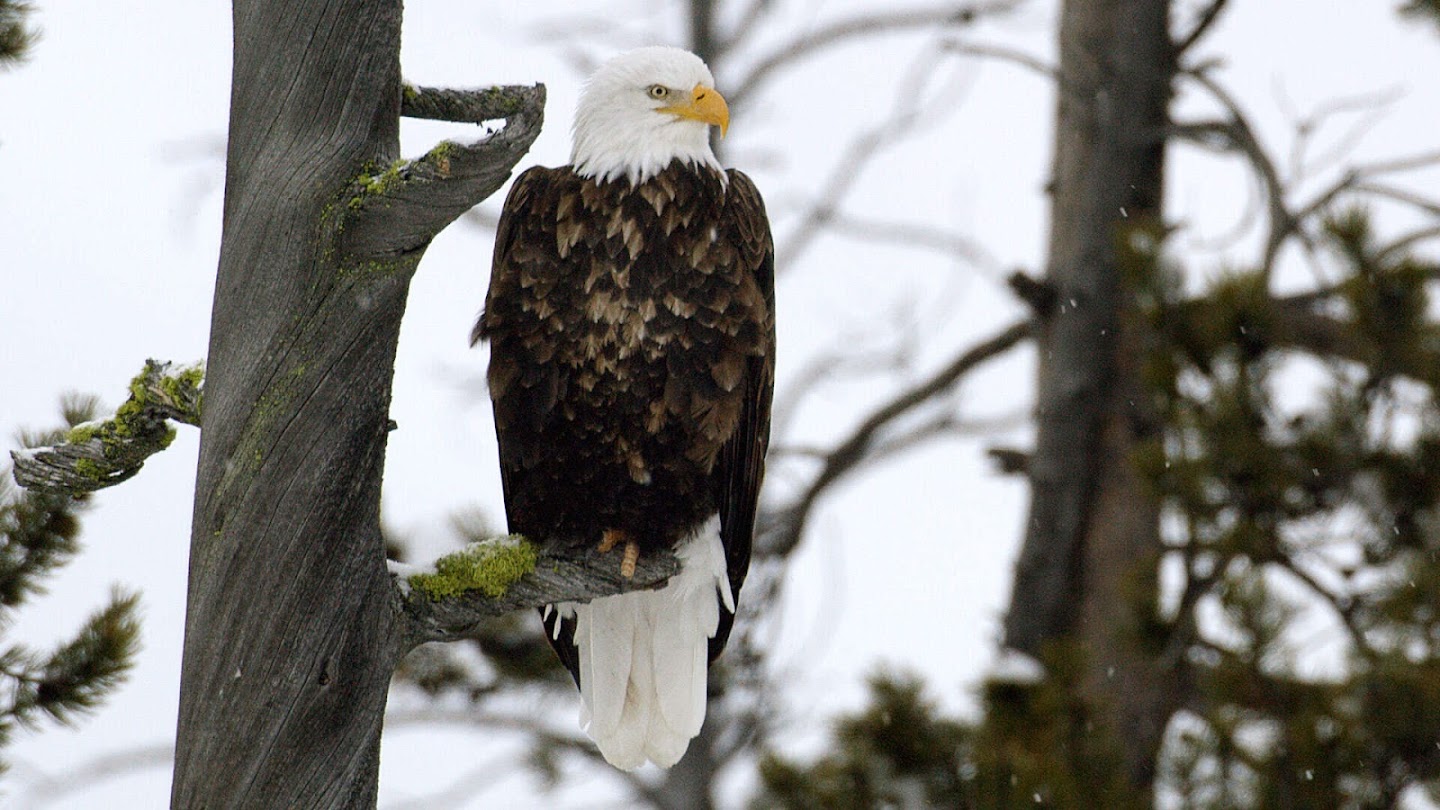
785, 533
1202, 25
857, 26
399, 210
472, 106
749, 18
444, 601
909, 113
1014, 56
1342, 606
913, 235
1300, 322
1239, 136
102, 453
1399, 195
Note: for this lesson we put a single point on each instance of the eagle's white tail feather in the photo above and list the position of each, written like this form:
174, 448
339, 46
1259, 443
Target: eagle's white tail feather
643, 657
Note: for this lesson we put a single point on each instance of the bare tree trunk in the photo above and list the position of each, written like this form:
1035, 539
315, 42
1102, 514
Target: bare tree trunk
690, 784
703, 42
289, 638
1092, 538
293, 625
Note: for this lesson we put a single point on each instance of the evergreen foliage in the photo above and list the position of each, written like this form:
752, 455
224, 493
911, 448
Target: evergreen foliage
1423, 9
899, 751
15, 36
1321, 513
1039, 745
39, 532
1287, 517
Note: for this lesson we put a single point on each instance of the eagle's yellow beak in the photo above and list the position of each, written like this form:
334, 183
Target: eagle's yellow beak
705, 104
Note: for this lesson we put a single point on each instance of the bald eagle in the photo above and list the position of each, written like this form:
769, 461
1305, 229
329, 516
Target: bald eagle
632, 344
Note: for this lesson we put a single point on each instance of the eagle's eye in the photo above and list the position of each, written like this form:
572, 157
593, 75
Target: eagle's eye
658, 91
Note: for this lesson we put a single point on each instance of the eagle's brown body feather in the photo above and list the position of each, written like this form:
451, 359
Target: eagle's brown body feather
632, 359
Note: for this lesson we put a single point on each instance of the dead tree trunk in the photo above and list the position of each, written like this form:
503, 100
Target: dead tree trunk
293, 626
1092, 540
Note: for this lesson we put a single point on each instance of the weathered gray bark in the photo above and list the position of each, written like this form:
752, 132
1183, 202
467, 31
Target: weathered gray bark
292, 627
106, 452
690, 785
1092, 538
570, 573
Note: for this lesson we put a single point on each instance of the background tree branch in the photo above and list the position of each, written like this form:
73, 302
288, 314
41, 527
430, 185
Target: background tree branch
780, 535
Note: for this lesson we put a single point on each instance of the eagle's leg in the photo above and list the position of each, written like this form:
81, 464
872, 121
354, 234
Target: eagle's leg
613, 537
632, 556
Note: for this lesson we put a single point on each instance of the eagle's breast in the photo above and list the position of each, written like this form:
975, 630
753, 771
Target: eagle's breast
627, 327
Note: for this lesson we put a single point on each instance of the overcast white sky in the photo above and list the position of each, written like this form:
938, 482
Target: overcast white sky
110, 219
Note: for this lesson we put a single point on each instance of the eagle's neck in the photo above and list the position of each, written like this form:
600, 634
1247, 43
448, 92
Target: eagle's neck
605, 150
706, 180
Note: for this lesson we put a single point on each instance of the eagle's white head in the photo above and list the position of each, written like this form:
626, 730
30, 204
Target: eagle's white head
644, 109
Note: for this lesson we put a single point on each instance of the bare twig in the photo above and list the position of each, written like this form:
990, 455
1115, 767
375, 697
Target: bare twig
463, 788
846, 173
857, 358
785, 533
1404, 244
528, 723
1005, 54
1399, 195
1424, 160
745, 26
540, 733
1373, 104
811, 452
1240, 137
1202, 26
1343, 607
917, 236
1010, 460
860, 25
906, 119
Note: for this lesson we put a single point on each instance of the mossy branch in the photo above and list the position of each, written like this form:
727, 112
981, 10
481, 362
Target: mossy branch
445, 600
399, 209
102, 453
471, 106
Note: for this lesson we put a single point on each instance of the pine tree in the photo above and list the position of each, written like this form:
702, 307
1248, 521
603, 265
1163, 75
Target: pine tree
15, 36
39, 533
1328, 504
1279, 511
899, 751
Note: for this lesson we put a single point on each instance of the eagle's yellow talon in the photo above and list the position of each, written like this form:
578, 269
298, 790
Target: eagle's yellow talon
610, 538
632, 556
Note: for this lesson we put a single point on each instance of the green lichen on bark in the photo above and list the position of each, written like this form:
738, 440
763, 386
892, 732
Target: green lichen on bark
156, 394
370, 184
502, 101
179, 385
90, 469
490, 567
439, 157
103, 452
